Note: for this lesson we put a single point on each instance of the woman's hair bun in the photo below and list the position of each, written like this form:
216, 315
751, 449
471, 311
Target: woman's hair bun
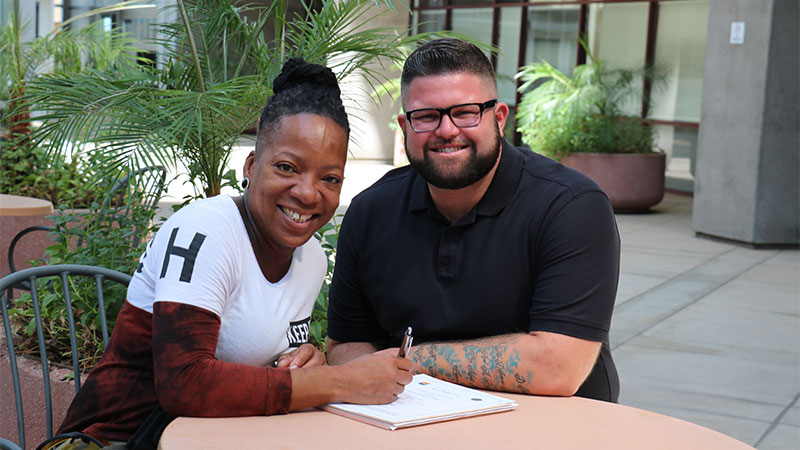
296, 72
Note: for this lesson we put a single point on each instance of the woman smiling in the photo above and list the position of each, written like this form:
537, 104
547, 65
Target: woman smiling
216, 318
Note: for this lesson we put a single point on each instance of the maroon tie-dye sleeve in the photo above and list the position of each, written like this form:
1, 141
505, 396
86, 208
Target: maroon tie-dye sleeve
191, 382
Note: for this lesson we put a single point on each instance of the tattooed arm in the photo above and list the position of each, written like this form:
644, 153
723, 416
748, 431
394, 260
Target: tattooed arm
538, 363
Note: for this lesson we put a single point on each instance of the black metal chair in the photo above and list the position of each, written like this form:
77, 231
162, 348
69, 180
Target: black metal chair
66, 273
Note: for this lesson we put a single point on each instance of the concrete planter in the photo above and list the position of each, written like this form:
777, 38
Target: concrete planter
33, 401
633, 182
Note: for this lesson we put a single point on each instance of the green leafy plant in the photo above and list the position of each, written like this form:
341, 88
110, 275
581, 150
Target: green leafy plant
28, 172
108, 237
24, 167
561, 114
215, 79
328, 237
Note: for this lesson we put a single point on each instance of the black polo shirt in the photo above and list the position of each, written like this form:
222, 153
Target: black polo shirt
540, 251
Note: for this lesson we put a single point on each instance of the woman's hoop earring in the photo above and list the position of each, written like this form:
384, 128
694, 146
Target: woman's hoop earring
245, 182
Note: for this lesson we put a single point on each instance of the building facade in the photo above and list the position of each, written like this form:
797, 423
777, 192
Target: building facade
727, 118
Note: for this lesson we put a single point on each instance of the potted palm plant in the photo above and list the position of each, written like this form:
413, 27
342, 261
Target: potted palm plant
213, 79
578, 120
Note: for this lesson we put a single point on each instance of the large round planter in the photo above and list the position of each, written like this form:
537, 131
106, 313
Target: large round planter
632, 182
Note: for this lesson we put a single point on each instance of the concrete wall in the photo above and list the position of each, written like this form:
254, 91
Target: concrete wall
747, 187
370, 136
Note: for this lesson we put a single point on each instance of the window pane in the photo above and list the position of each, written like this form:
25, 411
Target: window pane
474, 22
680, 145
431, 3
553, 36
430, 21
471, 3
618, 35
681, 46
509, 54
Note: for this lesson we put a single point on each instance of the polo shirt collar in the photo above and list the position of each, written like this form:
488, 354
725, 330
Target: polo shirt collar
500, 191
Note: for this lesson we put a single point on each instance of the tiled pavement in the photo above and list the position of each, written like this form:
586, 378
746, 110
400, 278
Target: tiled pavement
704, 331
708, 331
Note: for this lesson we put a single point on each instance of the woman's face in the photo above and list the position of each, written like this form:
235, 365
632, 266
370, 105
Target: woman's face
296, 178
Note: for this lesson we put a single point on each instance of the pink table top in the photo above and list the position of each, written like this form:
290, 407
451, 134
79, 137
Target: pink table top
538, 422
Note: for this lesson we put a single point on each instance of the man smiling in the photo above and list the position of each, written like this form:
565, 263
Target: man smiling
504, 262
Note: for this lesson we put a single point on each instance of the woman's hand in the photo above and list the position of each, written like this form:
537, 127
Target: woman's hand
304, 356
376, 378
370, 379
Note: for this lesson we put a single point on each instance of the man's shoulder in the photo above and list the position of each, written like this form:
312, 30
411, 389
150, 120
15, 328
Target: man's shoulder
390, 185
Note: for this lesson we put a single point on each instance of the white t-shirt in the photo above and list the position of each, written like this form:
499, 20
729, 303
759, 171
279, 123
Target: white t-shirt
202, 256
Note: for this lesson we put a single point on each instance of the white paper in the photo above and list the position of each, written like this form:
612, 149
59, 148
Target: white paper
425, 400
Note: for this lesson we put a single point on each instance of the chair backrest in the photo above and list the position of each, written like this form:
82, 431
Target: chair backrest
67, 273
147, 184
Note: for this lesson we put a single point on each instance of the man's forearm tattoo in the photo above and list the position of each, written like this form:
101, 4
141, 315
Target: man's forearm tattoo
491, 366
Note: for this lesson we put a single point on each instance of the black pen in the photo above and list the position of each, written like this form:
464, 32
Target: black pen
405, 346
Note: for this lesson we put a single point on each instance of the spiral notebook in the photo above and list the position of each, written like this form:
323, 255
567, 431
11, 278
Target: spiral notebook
425, 400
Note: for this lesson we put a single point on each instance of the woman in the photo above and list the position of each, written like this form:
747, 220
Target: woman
216, 319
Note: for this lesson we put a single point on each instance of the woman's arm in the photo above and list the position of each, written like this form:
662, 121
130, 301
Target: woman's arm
191, 382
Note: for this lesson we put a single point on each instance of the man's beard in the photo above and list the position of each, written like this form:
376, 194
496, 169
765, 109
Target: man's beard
477, 166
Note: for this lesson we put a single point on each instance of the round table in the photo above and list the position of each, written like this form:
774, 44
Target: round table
538, 422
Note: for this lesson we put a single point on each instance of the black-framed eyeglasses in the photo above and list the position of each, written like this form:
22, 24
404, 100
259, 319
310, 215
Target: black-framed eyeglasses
465, 115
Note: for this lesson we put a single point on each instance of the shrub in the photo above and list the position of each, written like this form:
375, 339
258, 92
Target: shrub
560, 114
28, 172
100, 237
328, 236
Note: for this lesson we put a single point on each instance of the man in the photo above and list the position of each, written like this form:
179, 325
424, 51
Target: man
504, 262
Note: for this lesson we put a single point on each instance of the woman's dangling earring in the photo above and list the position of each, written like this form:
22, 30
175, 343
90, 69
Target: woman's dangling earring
245, 182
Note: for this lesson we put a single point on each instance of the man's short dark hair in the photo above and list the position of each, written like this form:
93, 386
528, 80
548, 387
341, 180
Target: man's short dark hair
443, 56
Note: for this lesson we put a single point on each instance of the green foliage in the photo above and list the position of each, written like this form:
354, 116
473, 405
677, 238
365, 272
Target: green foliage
561, 114
561, 135
108, 237
28, 172
328, 236
216, 78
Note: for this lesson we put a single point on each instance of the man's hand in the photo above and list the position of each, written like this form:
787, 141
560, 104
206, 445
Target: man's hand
304, 356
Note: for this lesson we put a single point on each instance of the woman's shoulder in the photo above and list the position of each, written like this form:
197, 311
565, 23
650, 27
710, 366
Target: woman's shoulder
211, 222
214, 211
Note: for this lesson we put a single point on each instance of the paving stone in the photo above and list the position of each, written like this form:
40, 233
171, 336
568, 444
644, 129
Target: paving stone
662, 263
642, 394
782, 437
631, 285
792, 416
783, 268
745, 430
755, 336
702, 372
648, 309
752, 296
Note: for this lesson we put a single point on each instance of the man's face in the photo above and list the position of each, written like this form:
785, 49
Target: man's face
450, 157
